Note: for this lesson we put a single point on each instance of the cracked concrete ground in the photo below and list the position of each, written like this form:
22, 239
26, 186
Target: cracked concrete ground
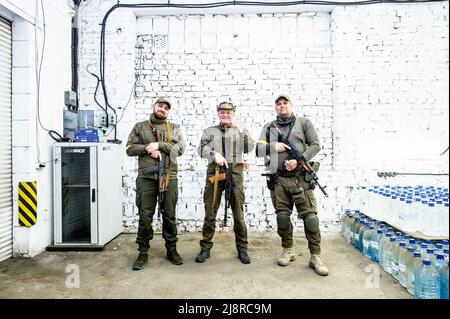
108, 274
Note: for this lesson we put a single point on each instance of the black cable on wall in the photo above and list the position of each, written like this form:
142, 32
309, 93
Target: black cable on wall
102, 78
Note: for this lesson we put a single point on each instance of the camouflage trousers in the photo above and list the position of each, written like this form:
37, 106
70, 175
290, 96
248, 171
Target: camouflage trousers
146, 200
237, 208
290, 191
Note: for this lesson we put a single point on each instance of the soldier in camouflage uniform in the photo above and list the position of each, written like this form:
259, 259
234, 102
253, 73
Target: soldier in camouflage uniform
221, 157
290, 185
153, 140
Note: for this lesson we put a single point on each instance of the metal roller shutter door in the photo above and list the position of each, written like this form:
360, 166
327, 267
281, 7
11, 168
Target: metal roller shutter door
5, 140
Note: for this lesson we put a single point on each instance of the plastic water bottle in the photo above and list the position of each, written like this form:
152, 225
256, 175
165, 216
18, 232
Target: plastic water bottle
350, 222
362, 229
344, 221
396, 249
402, 265
412, 264
413, 243
423, 249
426, 282
374, 244
444, 282
355, 231
445, 243
429, 243
430, 255
439, 248
367, 237
387, 255
441, 267
383, 243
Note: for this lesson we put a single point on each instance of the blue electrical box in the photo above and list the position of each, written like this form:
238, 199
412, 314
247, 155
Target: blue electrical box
86, 136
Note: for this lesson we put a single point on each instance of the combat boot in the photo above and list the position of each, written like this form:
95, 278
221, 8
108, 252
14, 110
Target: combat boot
287, 255
140, 261
244, 257
318, 265
174, 257
202, 256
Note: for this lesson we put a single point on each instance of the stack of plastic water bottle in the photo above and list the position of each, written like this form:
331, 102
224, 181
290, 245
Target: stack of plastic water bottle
421, 266
417, 208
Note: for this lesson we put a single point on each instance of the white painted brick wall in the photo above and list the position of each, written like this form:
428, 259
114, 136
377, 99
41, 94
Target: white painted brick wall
373, 79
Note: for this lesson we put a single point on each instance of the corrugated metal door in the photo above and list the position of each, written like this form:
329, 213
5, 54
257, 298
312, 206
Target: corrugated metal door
5, 141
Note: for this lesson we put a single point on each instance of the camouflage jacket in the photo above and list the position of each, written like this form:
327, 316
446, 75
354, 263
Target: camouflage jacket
303, 135
146, 132
236, 144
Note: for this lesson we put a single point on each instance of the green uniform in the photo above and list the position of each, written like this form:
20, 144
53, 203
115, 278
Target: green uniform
236, 144
147, 185
290, 186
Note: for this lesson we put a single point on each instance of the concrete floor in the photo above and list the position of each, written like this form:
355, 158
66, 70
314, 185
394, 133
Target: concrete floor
107, 274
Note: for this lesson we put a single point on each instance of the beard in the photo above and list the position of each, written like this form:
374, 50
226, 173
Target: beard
159, 117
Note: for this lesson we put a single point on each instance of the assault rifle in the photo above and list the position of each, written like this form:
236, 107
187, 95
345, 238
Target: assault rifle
228, 190
228, 184
299, 157
160, 169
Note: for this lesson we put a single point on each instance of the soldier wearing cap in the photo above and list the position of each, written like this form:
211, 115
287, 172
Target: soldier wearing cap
223, 145
154, 140
291, 186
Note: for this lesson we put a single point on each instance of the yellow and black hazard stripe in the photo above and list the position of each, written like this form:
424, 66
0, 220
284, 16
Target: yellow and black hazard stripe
27, 203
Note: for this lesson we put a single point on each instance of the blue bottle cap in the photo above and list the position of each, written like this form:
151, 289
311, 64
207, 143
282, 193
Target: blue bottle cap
410, 249
412, 241
430, 251
426, 262
440, 257
379, 231
393, 239
388, 235
439, 246
402, 244
417, 255
446, 251
445, 242
423, 245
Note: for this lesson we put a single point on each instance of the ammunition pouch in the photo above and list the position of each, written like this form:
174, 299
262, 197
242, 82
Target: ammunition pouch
150, 170
298, 196
309, 178
270, 180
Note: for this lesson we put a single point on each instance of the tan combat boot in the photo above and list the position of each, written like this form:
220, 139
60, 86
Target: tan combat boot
287, 255
318, 265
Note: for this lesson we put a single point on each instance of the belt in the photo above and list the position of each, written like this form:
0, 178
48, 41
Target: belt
284, 173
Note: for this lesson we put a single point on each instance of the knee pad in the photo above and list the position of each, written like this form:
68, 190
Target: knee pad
311, 222
283, 221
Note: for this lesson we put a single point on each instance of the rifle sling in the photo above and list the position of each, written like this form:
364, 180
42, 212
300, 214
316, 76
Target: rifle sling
216, 182
169, 138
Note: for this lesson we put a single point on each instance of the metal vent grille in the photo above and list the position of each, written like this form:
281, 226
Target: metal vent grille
160, 41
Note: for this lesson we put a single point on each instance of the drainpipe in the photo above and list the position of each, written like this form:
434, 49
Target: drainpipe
74, 49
